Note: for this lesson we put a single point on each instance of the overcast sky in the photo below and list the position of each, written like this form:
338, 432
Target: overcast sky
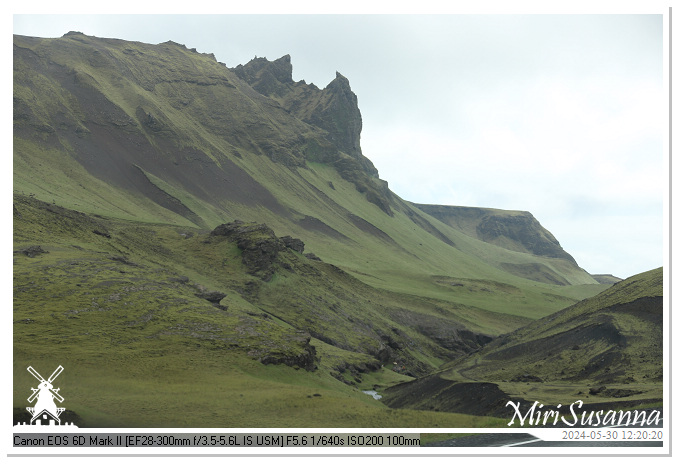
560, 115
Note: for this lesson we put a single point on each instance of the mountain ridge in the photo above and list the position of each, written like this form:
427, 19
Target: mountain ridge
519, 229
606, 349
150, 129
178, 205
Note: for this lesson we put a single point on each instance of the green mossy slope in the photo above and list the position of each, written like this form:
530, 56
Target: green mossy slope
129, 158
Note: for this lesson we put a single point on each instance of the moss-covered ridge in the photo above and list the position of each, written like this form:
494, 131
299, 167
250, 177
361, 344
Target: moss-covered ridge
514, 230
613, 337
607, 348
238, 287
161, 133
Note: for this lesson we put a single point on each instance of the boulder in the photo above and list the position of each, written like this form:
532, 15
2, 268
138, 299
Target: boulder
33, 251
293, 243
212, 297
597, 390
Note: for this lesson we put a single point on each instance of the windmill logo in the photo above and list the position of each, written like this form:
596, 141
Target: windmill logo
45, 410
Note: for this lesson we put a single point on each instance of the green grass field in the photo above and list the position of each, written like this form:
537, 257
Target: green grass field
139, 347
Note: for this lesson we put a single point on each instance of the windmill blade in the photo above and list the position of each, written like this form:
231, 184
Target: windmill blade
57, 395
35, 373
35, 393
55, 374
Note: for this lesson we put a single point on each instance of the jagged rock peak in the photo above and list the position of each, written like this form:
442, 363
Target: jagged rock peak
282, 69
176, 44
333, 109
339, 82
254, 70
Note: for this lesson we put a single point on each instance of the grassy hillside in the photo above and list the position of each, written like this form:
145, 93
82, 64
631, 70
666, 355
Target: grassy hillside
514, 230
605, 349
208, 246
159, 133
615, 336
125, 308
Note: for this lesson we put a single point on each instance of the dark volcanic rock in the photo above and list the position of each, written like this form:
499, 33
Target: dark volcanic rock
212, 297
305, 359
596, 390
293, 243
33, 251
103, 233
124, 260
526, 378
239, 228
260, 246
513, 230
333, 109
342, 119
267, 77
258, 256
439, 394
525, 230
336, 110
355, 370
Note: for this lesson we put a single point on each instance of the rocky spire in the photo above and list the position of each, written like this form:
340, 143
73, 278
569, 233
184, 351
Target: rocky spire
341, 117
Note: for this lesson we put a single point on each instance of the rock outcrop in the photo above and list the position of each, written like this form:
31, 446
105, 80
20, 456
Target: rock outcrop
524, 230
513, 230
341, 117
333, 109
212, 297
260, 246
293, 243
301, 353
33, 251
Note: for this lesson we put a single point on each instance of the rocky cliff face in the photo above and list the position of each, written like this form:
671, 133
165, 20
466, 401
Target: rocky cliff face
259, 246
525, 231
267, 77
333, 109
91, 90
341, 117
513, 230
